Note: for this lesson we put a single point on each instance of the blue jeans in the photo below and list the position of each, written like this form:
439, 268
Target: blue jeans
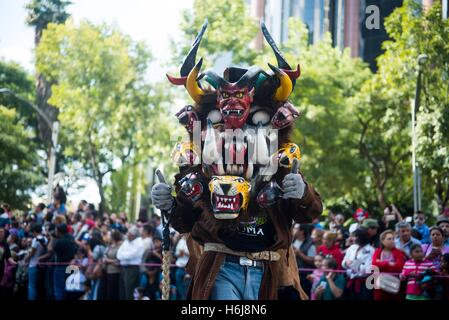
59, 277
236, 282
33, 278
181, 286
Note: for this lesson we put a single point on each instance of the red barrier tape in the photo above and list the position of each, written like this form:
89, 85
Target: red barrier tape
174, 265
367, 273
77, 264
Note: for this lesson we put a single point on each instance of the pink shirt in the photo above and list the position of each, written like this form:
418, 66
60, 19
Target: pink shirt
418, 267
317, 274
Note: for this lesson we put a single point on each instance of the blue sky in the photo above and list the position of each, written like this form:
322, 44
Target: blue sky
152, 21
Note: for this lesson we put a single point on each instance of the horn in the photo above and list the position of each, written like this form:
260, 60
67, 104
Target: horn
189, 61
250, 77
214, 79
285, 84
192, 86
282, 63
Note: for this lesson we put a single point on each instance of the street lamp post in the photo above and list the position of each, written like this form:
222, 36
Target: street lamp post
422, 59
54, 128
52, 159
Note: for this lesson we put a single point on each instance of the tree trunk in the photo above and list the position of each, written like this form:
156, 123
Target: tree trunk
381, 198
442, 196
101, 206
43, 93
380, 188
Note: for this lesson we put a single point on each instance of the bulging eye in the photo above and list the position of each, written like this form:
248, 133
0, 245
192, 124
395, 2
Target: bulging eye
214, 178
225, 95
240, 180
260, 116
239, 95
214, 116
292, 149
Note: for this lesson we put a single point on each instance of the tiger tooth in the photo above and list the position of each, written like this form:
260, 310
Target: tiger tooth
210, 150
262, 156
220, 168
249, 171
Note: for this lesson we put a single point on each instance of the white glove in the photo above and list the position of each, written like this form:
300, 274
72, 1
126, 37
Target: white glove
294, 186
161, 196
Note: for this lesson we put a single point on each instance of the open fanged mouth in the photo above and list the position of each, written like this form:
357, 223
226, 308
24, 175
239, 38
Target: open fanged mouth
226, 204
195, 191
233, 112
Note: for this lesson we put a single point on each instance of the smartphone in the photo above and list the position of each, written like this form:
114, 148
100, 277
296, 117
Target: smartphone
323, 284
390, 217
409, 219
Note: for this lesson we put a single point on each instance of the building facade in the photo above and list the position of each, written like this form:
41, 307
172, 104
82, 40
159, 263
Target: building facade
350, 22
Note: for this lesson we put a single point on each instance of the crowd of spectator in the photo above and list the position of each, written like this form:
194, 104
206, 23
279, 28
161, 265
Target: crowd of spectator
383, 259
51, 253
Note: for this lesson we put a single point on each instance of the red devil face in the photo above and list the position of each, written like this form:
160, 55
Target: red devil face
234, 104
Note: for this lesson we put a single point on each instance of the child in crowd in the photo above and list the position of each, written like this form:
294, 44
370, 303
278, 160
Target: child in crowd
331, 284
315, 276
420, 225
412, 269
444, 266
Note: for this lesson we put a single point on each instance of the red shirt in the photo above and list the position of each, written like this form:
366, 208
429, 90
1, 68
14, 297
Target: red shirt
333, 251
398, 257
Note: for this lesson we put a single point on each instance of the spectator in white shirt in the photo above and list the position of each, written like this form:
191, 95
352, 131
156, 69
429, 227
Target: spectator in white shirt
130, 256
147, 237
182, 255
357, 262
38, 248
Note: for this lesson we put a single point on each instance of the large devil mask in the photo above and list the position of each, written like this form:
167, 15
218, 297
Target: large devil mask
235, 93
235, 90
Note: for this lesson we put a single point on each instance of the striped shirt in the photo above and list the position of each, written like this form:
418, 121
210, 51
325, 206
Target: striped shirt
411, 270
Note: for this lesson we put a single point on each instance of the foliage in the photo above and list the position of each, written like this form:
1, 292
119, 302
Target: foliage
109, 114
17, 159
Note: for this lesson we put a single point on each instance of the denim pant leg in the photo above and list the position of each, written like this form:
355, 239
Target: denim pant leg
229, 282
252, 283
49, 287
236, 282
33, 273
181, 283
59, 278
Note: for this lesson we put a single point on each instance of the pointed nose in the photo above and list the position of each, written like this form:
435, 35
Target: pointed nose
225, 187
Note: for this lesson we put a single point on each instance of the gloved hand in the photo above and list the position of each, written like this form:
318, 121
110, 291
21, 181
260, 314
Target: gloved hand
161, 196
294, 186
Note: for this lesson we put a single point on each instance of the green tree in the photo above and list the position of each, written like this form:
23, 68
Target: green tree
18, 80
230, 29
18, 159
40, 14
432, 38
109, 114
384, 103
